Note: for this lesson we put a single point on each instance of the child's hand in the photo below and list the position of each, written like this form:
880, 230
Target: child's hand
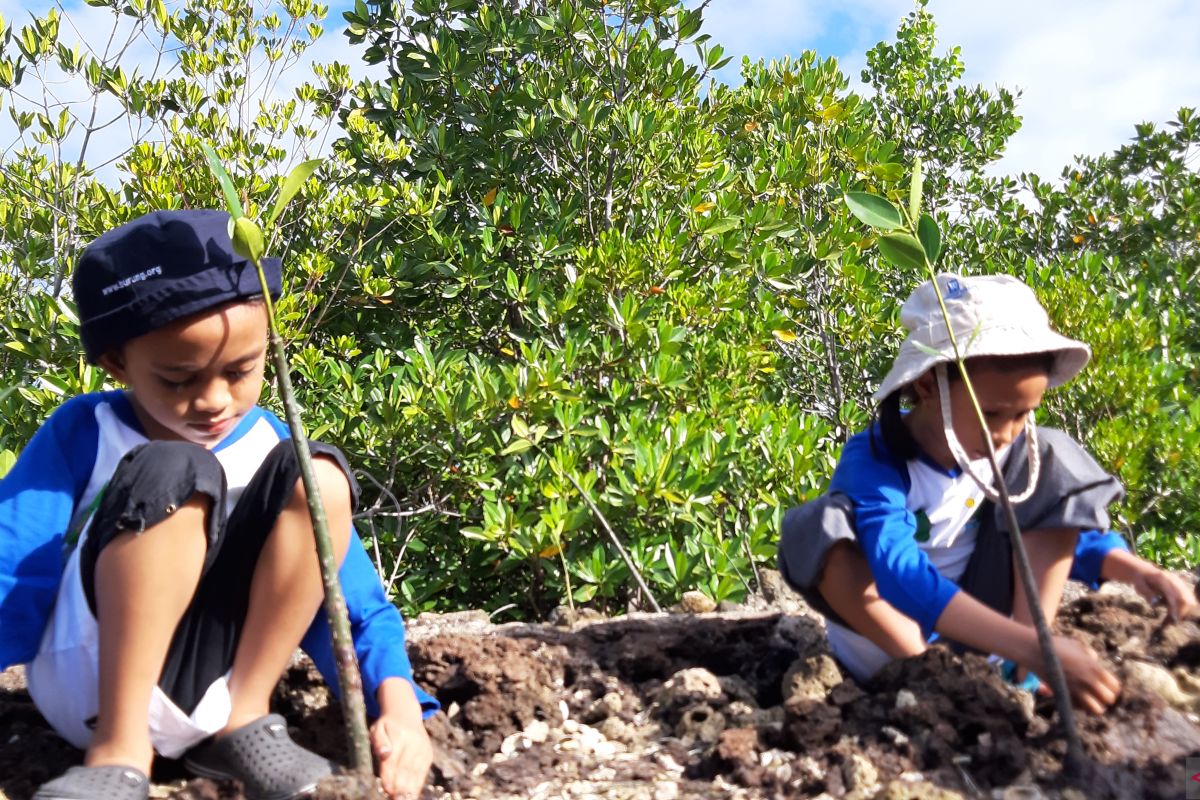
403, 753
1092, 687
1156, 584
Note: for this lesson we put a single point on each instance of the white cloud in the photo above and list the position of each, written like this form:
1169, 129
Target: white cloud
1089, 70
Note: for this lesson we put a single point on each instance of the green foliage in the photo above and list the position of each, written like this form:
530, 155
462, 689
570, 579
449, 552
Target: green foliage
540, 223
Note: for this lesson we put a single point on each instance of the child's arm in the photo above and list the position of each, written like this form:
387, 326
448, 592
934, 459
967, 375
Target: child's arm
904, 575
966, 620
399, 740
1150, 581
390, 693
37, 501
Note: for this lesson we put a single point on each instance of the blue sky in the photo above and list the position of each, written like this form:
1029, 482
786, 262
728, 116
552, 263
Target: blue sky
1088, 70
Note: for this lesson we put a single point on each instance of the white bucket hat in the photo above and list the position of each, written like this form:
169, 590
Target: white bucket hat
992, 315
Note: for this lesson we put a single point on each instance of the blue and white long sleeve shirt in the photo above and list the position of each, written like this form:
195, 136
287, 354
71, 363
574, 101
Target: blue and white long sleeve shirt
47, 495
915, 522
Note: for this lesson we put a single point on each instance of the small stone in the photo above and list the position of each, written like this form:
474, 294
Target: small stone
1156, 680
859, 773
616, 729
905, 699
609, 705
897, 738
537, 731
737, 747
694, 602
690, 685
666, 790
667, 762
811, 678
700, 723
509, 745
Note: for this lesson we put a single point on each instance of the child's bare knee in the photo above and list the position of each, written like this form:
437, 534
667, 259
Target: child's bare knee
334, 488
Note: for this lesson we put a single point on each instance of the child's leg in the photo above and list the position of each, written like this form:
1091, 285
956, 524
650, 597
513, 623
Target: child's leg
849, 587
143, 583
140, 565
285, 592
1050, 552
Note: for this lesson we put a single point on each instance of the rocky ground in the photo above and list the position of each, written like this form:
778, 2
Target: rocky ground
738, 704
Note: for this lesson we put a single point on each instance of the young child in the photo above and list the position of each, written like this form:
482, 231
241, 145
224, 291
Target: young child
157, 561
910, 540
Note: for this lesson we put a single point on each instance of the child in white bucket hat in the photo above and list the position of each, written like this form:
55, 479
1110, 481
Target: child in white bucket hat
909, 542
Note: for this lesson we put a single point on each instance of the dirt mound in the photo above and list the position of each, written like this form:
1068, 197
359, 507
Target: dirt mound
744, 705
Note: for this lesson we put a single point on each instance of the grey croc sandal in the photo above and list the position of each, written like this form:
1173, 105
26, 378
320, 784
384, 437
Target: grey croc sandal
263, 757
90, 783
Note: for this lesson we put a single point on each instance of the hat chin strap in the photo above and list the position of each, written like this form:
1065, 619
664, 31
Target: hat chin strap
960, 455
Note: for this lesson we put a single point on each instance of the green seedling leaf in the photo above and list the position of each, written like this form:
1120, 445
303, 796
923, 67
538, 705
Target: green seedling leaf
915, 188
248, 239
903, 250
874, 210
291, 186
232, 202
931, 238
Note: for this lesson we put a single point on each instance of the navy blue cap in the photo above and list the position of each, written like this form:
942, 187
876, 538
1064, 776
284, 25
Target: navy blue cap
160, 267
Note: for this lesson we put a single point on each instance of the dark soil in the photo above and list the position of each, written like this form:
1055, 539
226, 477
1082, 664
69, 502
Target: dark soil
745, 705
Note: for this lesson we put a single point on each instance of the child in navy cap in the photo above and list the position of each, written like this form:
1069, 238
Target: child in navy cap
157, 566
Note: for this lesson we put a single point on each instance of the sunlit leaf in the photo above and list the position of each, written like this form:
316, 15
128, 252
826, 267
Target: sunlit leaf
291, 186
874, 210
723, 225
516, 446
915, 188
232, 202
931, 238
784, 336
903, 250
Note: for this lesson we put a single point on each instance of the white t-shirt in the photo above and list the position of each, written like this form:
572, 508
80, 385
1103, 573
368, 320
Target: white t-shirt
946, 504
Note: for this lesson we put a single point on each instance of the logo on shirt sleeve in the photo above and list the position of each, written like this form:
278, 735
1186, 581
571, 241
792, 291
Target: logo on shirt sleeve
923, 526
